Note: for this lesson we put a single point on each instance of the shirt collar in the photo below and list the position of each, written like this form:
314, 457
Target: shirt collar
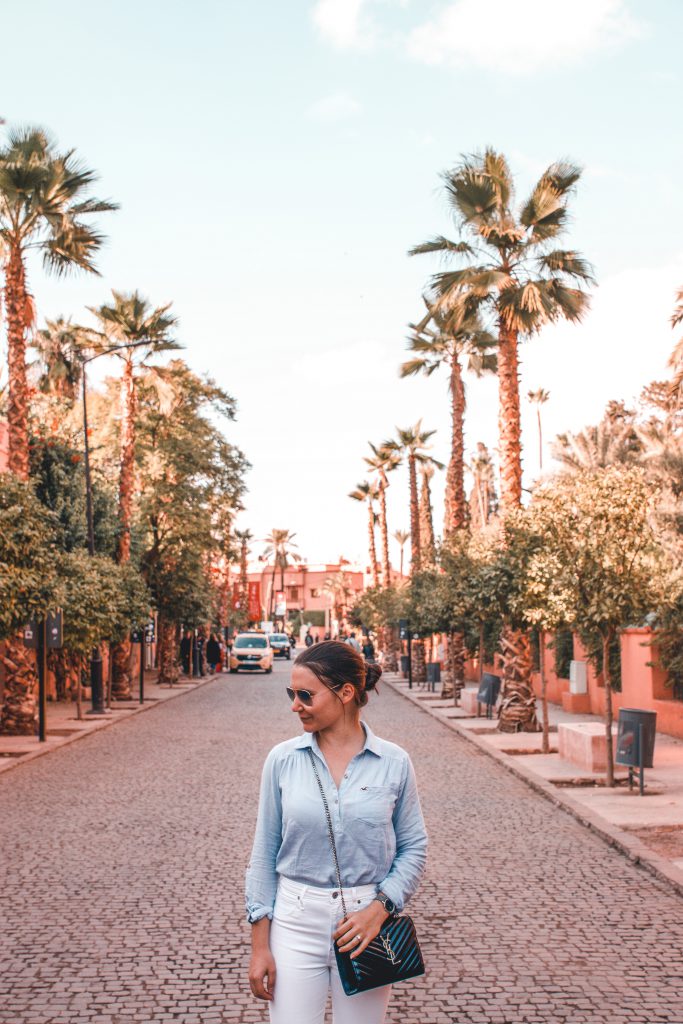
372, 743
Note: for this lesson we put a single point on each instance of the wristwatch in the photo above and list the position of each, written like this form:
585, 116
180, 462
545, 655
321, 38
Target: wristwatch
388, 904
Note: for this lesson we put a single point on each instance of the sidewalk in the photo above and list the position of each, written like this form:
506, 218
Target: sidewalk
648, 829
63, 727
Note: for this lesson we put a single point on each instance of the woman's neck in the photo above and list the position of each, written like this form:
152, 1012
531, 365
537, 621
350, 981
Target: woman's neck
341, 735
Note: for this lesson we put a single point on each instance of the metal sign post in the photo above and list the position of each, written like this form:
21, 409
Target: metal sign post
143, 637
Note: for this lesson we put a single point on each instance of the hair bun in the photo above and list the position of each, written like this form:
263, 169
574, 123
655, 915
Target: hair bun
372, 674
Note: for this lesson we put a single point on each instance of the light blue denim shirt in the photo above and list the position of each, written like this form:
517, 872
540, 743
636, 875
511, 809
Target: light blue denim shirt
378, 825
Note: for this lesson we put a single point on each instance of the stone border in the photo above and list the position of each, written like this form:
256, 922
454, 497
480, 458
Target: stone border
103, 722
629, 845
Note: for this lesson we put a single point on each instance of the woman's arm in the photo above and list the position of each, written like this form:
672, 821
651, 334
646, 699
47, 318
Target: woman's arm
411, 843
261, 875
262, 965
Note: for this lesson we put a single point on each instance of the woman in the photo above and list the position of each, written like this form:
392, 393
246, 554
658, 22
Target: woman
292, 898
213, 653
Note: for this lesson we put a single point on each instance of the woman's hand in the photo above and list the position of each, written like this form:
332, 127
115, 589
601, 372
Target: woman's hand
262, 974
357, 931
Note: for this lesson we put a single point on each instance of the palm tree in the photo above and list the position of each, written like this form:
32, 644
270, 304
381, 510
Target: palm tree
244, 536
539, 398
412, 441
427, 541
130, 320
483, 495
510, 272
460, 342
369, 492
401, 537
61, 346
280, 546
676, 357
607, 444
44, 207
384, 461
340, 592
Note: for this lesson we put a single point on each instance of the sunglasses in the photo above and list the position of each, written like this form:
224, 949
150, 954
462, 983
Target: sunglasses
305, 696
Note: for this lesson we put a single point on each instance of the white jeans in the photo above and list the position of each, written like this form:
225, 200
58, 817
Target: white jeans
301, 942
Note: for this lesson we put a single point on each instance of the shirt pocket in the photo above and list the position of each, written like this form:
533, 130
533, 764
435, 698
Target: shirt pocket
376, 805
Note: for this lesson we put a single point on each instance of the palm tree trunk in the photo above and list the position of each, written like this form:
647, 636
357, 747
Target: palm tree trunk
20, 707
127, 476
518, 702
120, 674
393, 649
509, 424
415, 554
609, 713
457, 656
455, 506
427, 545
540, 439
168, 665
384, 534
419, 663
371, 545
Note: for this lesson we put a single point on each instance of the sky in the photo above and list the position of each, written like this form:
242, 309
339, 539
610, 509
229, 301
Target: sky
274, 162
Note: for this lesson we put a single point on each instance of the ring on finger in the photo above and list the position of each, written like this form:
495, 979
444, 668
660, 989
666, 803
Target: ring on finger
359, 938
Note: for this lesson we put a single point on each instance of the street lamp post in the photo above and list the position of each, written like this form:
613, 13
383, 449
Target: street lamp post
96, 687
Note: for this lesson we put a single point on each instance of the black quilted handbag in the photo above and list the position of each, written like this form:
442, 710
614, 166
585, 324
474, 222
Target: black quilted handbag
393, 955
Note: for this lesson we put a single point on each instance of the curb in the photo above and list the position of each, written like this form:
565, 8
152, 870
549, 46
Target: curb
628, 845
104, 723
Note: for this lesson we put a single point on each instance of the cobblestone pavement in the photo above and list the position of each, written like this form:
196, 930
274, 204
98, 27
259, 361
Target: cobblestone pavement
122, 859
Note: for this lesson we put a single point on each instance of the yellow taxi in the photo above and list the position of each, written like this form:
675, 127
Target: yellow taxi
251, 652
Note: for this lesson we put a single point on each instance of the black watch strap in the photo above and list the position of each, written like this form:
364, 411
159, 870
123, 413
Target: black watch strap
388, 904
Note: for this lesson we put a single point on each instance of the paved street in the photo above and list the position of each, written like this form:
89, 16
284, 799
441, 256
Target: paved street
122, 859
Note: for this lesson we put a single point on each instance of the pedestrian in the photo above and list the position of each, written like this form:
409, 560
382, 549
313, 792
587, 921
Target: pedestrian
368, 649
316, 638
292, 891
198, 655
352, 642
186, 651
308, 639
213, 653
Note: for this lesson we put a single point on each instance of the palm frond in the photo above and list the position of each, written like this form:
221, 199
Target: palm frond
569, 262
441, 244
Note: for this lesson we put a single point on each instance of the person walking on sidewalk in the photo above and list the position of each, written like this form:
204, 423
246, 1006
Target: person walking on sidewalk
213, 653
186, 651
292, 895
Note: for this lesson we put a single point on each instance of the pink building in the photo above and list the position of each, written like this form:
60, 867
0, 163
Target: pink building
305, 591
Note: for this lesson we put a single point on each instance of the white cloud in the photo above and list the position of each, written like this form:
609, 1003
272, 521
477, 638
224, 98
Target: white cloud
523, 36
337, 107
341, 23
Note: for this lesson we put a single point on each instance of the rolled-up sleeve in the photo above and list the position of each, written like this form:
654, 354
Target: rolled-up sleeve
261, 880
411, 843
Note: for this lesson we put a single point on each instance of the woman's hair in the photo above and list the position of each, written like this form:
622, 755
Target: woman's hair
336, 663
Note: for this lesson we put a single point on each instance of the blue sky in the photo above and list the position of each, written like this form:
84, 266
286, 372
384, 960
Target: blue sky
274, 162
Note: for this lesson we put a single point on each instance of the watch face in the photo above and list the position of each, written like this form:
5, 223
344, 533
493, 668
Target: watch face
389, 905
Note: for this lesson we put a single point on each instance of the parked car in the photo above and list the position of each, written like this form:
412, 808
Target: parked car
251, 651
280, 644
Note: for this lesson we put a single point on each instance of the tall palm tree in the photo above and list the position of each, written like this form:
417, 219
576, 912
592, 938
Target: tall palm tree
244, 537
401, 537
412, 442
383, 461
44, 207
539, 398
280, 545
483, 494
61, 347
459, 342
369, 493
676, 357
427, 540
130, 319
340, 591
510, 270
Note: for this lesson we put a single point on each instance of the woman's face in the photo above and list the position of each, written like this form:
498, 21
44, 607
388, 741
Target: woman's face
326, 707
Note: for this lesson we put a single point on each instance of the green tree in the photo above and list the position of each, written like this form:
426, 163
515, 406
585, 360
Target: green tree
27, 590
601, 555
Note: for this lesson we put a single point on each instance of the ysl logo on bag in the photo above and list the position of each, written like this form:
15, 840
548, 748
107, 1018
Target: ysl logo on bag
386, 942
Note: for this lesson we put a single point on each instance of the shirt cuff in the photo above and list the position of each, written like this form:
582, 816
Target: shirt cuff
394, 894
257, 915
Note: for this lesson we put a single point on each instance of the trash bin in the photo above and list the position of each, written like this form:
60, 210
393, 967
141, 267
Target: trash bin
628, 733
489, 689
405, 665
433, 671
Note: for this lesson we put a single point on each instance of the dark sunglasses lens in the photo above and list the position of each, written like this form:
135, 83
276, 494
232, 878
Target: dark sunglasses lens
303, 695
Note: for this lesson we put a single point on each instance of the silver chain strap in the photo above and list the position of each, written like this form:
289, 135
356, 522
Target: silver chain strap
330, 829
